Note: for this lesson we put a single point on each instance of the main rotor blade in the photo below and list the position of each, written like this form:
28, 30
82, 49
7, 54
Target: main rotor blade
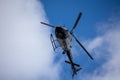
82, 47
80, 14
47, 24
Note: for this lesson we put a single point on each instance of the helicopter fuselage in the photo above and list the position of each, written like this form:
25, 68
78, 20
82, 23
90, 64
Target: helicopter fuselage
64, 38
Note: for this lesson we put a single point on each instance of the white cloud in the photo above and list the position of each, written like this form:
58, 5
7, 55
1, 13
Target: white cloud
109, 48
95, 43
25, 49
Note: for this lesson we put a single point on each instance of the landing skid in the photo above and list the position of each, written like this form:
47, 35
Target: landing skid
53, 42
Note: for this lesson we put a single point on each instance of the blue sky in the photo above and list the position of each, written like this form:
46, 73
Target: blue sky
60, 12
65, 12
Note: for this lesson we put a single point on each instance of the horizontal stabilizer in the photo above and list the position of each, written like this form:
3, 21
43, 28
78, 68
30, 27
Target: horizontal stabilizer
77, 65
73, 63
68, 62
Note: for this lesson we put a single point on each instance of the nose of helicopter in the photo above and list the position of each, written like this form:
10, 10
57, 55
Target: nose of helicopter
60, 33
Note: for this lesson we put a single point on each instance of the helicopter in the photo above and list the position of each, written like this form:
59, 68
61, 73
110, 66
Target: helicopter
64, 38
